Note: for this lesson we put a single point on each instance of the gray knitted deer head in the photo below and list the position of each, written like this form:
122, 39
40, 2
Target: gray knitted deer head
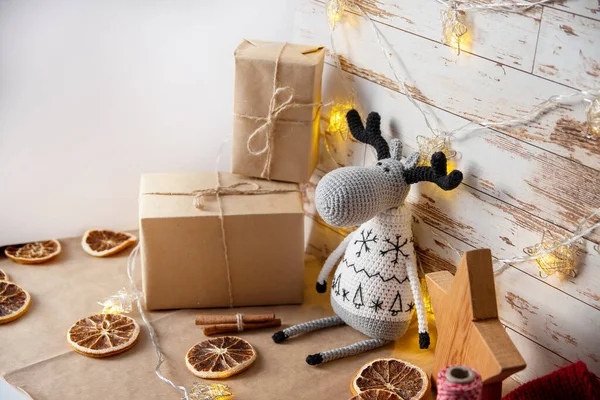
376, 287
352, 195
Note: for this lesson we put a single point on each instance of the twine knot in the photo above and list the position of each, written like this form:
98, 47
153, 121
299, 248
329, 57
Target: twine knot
233, 189
271, 118
281, 100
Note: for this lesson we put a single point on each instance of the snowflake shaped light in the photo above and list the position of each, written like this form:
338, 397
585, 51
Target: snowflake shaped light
561, 260
337, 118
453, 27
119, 303
213, 391
335, 11
428, 146
593, 117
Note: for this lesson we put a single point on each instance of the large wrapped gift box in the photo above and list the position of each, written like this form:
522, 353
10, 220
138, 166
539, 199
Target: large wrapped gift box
276, 110
184, 261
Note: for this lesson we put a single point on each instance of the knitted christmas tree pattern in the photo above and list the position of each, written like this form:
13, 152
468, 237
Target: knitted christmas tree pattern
373, 274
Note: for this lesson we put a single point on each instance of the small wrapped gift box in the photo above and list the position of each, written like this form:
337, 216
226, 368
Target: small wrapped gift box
220, 240
276, 110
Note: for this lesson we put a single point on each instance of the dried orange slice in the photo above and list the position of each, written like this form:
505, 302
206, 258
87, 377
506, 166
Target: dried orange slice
103, 335
376, 394
3, 276
404, 379
34, 253
14, 301
220, 357
103, 242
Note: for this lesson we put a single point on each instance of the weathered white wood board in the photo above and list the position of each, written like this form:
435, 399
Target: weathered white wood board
587, 8
553, 188
569, 50
557, 322
546, 361
460, 214
435, 253
518, 182
422, 18
472, 87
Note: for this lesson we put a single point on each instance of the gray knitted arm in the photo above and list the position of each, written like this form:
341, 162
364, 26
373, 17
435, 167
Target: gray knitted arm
330, 263
415, 286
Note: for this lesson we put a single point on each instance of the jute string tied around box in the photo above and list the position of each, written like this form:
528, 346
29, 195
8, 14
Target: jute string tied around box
252, 188
276, 107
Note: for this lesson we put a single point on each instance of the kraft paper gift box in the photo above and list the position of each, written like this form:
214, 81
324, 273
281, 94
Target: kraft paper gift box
184, 261
276, 110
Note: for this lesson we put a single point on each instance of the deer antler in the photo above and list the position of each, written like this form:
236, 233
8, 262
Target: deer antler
437, 173
371, 135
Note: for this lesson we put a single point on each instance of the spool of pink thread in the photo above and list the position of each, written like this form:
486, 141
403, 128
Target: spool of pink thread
457, 382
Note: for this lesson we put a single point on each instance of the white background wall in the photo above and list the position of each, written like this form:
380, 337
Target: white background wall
95, 92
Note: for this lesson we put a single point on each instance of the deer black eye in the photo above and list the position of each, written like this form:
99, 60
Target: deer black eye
379, 163
386, 169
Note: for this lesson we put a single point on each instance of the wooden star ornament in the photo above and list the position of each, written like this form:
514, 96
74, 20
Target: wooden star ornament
469, 331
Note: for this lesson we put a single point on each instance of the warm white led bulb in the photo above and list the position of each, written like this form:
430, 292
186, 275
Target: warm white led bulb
335, 10
593, 117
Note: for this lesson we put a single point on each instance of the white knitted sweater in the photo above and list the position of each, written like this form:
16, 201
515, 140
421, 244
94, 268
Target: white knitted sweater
375, 287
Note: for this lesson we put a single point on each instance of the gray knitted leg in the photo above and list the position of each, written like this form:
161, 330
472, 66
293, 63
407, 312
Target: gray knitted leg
306, 327
342, 352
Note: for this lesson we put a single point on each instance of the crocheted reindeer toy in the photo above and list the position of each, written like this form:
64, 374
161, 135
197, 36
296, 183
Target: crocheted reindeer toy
375, 288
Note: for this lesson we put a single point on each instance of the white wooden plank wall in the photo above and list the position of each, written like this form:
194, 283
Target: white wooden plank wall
519, 181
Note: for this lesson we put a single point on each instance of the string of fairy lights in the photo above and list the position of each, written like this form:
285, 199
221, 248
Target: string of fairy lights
123, 301
454, 25
552, 255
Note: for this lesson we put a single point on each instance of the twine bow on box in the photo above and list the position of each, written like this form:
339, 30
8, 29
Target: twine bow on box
281, 100
234, 189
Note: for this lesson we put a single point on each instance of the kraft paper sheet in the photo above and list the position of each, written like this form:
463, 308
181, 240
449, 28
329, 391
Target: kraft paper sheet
35, 356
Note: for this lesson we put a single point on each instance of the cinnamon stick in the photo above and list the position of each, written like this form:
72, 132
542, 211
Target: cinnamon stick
226, 328
232, 319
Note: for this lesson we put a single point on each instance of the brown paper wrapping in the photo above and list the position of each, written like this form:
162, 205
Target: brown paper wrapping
183, 258
295, 145
36, 357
